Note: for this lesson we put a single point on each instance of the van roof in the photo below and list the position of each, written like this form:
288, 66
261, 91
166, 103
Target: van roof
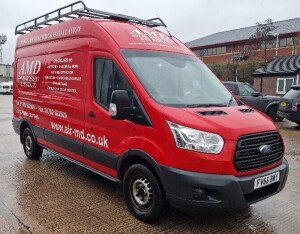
127, 32
79, 10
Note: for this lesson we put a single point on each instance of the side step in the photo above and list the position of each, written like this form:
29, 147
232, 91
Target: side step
84, 166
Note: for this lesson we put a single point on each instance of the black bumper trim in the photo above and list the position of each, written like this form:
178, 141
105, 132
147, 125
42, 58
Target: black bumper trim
16, 125
222, 191
292, 116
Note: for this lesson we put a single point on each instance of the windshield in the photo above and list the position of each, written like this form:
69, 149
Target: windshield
292, 94
177, 80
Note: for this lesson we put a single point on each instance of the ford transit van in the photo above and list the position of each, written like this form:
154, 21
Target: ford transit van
118, 96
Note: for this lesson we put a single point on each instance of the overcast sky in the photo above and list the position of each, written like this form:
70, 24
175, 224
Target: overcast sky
186, 19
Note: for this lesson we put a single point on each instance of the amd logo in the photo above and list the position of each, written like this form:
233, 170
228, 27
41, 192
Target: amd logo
155, 36
30, 67
138, 33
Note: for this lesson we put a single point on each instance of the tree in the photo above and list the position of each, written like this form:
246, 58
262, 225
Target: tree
226, 71
264, 36
246, 70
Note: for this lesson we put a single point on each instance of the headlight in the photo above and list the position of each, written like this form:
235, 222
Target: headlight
192, 139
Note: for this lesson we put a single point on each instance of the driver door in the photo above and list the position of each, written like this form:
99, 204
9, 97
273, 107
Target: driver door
106, 139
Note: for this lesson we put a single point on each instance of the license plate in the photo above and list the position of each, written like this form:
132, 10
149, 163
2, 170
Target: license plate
283, 104
266, 180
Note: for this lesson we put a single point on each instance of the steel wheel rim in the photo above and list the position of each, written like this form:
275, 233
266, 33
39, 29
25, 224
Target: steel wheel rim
141, 192
28, 144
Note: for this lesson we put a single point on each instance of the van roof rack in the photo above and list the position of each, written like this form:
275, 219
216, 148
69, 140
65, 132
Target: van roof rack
77, 10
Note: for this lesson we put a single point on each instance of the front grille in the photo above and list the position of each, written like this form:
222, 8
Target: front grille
247, 154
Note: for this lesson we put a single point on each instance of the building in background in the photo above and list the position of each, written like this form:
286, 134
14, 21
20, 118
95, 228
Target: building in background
6, 72
278, 75
238, 44
236, 54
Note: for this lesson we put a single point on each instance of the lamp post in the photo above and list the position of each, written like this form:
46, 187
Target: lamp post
277, 42
3, 39
237, 74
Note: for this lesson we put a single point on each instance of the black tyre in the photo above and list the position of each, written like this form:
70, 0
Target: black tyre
31, 149
273, 114
143, 194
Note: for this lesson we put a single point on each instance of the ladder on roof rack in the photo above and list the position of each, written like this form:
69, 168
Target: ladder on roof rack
76, 10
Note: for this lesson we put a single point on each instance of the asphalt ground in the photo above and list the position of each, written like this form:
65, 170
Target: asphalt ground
53, 195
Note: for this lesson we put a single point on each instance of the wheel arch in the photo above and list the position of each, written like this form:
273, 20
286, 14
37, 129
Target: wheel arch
270, 105
24, 123
135, 156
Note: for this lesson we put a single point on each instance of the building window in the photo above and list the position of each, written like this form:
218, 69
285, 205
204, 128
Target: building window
223, 49
271, 44
289, 41
203, 52
212, 51
200, 53
197, 52
284, 85
209, 51
282, 42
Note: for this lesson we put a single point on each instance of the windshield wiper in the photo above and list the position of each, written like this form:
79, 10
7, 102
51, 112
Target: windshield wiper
205, 105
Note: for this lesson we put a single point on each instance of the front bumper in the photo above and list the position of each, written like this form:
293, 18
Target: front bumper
192, 191
292, 116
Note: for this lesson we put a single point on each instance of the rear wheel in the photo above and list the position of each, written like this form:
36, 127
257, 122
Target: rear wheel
143, 195
273, 114
31, 149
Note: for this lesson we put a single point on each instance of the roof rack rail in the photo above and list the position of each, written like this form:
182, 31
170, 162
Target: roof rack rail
77, 10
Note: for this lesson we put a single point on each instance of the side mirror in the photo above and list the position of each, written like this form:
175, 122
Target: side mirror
256, 94
119, 107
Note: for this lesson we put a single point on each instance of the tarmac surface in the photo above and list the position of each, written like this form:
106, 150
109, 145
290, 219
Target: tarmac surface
53, 195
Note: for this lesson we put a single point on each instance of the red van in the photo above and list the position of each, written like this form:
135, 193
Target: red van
133, 104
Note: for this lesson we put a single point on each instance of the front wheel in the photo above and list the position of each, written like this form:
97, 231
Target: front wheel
273, 114
31, 149
143, 194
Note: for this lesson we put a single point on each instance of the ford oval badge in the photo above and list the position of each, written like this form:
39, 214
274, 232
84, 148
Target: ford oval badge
265, 149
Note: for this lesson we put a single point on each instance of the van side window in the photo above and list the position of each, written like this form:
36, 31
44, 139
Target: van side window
107, 78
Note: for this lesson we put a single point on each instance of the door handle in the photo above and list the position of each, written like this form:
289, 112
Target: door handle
91, 114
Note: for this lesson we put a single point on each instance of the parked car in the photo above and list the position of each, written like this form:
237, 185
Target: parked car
289, 107
250, 96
